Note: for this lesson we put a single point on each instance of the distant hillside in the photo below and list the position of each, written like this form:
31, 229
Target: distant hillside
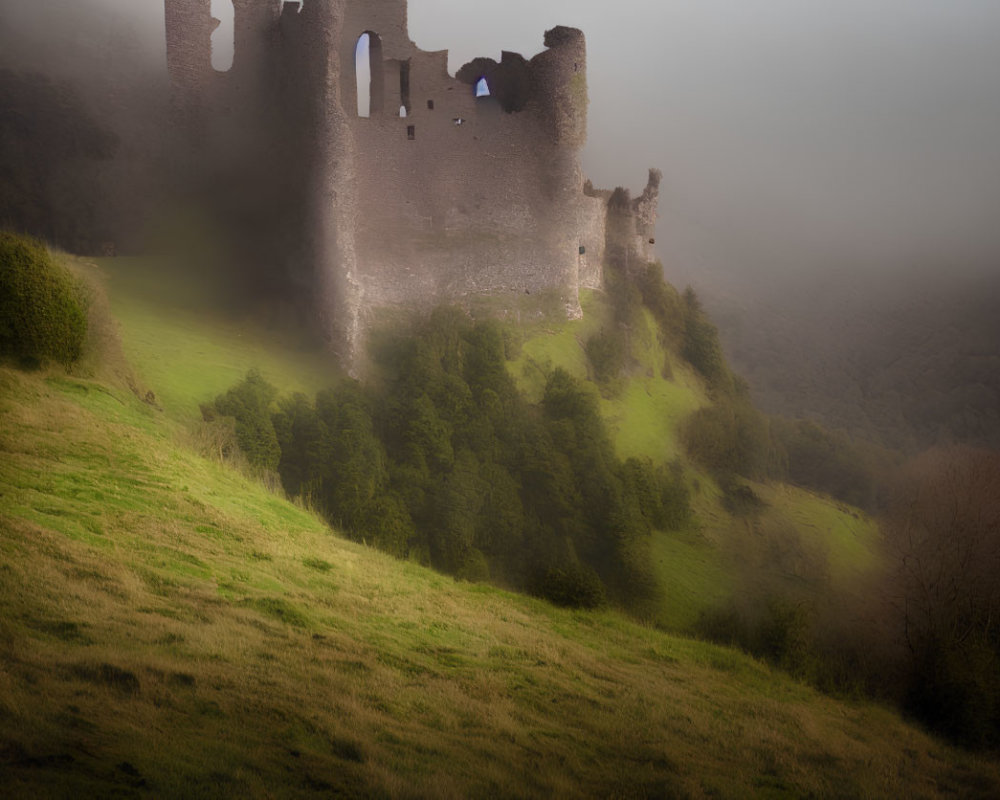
173, 629
909, 360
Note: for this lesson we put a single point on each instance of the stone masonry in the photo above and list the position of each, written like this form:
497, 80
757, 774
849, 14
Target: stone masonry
437, 195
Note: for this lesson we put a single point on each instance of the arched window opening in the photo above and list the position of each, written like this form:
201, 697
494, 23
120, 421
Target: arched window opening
368, 70
223, 36
482, 88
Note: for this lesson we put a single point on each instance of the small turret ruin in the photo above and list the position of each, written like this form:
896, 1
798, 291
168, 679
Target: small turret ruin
448, 187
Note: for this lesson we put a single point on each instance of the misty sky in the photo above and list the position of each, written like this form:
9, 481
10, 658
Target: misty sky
791, 133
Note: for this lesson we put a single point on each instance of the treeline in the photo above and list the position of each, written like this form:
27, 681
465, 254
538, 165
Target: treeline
441, 459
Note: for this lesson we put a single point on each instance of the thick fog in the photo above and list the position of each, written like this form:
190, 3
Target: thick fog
792, 134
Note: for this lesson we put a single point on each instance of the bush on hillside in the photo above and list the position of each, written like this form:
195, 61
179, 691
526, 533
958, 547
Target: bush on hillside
249, 402
701, 347
607, 352
42, 317
569, 585
729, 438
658, 492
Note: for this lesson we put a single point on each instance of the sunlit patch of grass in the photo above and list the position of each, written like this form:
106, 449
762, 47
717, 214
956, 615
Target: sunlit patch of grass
557, 343
646, 409
190, 350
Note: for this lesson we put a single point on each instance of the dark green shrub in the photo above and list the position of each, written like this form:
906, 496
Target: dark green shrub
729, 438
249, 403
773, 628
607, 352
658, 493
701, 347
299, 434
784, 636
570, 585
741, 501
662, 299
42, 317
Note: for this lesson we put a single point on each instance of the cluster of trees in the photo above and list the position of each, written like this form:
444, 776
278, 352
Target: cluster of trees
733, 439
42, 312
442, 459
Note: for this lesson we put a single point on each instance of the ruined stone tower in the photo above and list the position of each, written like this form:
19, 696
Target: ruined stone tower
449, 187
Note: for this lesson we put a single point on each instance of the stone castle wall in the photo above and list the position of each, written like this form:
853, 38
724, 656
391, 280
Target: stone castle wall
437, 195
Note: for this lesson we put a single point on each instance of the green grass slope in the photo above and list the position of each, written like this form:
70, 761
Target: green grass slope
183, 344
170, 628
645, 414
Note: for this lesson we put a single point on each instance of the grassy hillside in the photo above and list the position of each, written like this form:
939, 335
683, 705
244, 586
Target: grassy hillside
170, 628
181, 341
645, 412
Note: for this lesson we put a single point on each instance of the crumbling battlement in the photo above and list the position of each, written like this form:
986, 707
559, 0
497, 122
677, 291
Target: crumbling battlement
450, 186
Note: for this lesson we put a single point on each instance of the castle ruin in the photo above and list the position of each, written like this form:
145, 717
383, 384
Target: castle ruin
449, 187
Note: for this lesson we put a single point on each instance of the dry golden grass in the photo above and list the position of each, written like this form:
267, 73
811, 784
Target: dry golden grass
169, 628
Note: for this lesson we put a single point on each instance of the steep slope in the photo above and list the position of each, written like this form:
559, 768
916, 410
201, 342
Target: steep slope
190, 349
179, 334
170, 628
